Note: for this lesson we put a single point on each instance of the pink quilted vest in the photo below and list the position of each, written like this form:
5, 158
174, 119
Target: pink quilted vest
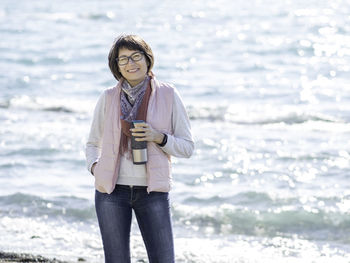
159, 115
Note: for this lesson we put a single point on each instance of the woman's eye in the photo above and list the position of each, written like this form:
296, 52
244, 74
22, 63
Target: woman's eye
136, 56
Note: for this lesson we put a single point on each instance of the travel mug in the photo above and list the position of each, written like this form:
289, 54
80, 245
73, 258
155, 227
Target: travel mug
139, 149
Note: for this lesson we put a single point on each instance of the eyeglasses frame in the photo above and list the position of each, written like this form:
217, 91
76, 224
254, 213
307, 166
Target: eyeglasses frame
130, 57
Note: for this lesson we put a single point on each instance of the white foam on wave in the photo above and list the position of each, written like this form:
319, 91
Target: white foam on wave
260, 114
26, 102
74, 240
53, 239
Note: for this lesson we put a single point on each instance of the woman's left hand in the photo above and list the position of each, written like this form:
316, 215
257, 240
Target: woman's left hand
145, 132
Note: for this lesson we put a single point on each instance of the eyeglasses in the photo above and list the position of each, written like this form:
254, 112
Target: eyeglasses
123, 60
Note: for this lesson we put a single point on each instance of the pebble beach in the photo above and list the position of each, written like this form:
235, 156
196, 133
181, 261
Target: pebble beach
13, 258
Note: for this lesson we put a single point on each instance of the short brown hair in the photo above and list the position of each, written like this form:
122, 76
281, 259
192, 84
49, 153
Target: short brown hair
131, 42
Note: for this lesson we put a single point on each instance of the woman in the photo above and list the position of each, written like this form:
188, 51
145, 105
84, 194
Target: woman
122, 186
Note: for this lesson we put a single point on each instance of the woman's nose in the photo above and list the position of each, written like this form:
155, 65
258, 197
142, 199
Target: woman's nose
131, 61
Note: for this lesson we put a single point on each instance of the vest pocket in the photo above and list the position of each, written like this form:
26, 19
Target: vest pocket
104, 173
159, 173
159, 179
106, 163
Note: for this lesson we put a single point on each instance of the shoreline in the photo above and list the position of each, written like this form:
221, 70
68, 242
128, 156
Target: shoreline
11, 257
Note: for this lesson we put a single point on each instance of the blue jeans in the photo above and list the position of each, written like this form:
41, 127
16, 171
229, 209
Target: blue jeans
114, 212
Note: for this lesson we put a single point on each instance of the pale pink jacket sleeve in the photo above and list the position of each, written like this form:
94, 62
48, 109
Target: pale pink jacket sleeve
181, 143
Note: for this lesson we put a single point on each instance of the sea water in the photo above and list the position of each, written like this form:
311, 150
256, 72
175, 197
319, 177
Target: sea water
266, 84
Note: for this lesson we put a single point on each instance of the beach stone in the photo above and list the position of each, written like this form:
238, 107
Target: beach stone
25, 258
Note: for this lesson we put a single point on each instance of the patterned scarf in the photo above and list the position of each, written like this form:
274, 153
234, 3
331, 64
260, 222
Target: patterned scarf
139, 95
131, 98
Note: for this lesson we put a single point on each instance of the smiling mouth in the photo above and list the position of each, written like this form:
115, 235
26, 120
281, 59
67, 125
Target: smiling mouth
132, 70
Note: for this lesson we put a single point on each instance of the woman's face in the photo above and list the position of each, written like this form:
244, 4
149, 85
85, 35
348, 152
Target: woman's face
134, 71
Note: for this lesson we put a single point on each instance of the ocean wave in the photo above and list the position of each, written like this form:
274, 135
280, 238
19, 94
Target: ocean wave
99, 16
245, 198
68, 207
257, 214
225, 113
41, 104
247, 213
58, 109
43, 151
